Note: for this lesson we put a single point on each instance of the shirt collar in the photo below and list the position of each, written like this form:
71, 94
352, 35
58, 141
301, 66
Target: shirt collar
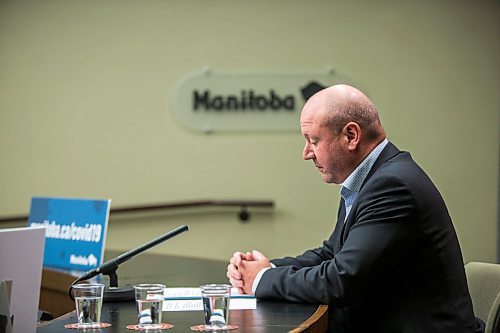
354, 181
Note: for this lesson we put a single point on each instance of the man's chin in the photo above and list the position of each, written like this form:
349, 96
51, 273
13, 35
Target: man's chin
329, 179
326, 178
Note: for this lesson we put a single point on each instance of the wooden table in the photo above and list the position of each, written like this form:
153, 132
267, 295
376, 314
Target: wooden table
175, 271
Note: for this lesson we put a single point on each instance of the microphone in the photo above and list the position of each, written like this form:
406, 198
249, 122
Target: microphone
115, 294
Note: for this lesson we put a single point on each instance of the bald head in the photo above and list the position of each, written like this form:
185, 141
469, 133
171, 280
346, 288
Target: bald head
341, 104
341, 127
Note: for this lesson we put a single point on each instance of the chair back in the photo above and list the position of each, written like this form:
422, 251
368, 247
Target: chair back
484, 287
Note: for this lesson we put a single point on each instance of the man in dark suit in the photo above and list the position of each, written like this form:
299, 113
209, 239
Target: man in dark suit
393, 262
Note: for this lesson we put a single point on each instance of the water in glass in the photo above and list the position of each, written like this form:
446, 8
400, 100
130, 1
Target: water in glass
88, 310
149, 313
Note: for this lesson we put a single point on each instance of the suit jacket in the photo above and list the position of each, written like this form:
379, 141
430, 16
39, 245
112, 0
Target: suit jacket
395, 265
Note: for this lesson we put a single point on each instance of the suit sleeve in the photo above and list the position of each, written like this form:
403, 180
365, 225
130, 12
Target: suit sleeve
309, 258
379, 232
316, 256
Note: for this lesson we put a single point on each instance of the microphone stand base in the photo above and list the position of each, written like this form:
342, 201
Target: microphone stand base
119, 294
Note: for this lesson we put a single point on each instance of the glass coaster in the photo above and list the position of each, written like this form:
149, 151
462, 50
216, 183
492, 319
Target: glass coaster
163, 326
202, 328
86, 327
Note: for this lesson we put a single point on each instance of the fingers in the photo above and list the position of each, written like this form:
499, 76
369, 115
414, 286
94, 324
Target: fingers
236, 283
232, 272
259, 256
237, 258
243, 267
249, 256
248, 275
235, 278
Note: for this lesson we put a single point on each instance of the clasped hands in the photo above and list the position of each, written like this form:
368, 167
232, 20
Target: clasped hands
244, 267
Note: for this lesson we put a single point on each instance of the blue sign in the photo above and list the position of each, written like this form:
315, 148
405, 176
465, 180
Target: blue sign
75, 231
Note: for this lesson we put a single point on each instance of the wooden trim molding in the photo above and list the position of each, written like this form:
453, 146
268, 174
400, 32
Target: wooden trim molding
243, 215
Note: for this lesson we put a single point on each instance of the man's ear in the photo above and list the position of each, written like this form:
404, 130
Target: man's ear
352, 133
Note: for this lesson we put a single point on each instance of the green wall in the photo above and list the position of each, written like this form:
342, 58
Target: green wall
85, 93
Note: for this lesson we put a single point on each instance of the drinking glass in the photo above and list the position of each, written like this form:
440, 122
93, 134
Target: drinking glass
216, 306
149, 301
88, 303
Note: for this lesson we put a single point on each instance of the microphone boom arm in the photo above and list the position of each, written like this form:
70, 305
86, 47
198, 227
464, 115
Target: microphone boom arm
110, 266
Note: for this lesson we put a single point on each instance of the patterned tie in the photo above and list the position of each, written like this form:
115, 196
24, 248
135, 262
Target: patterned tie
349, 197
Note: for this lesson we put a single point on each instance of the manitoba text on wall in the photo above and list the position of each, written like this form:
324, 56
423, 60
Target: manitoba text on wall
211, 101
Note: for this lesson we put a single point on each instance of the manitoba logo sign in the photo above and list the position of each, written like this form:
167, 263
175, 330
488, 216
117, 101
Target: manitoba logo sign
247, 100
209, 101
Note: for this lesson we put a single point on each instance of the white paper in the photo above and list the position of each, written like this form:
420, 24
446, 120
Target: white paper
21, 261
189, 299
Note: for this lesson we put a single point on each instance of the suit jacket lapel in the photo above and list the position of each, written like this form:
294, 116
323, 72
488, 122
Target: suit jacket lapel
339, 227
388, 152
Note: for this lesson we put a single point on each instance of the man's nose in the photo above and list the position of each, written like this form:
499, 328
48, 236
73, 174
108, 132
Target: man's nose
308, 153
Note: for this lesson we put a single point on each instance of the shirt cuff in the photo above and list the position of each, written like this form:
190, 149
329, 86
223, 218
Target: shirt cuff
259, 276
